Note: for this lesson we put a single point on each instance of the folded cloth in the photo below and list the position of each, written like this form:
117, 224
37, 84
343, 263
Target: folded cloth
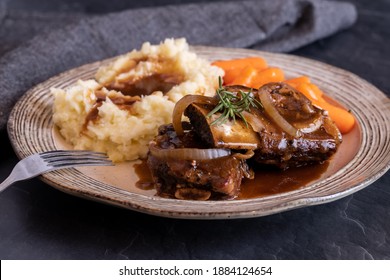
17, 27
272, 25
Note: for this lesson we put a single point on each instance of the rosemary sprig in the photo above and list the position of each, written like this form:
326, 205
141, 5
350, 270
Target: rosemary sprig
231, 105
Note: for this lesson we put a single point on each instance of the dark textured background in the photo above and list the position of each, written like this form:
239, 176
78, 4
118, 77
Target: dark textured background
39, 222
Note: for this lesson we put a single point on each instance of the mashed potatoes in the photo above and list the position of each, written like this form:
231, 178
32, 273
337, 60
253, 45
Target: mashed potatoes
120, 111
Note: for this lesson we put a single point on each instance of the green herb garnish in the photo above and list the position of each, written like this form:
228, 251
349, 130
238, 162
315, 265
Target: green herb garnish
233, 104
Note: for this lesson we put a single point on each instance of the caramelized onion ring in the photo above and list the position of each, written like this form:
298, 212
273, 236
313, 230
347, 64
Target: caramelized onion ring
182, 104
254, 121
187, 153
247, 155
272, 112
311, 127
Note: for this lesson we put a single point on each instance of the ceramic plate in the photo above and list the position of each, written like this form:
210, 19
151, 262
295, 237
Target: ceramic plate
362, 158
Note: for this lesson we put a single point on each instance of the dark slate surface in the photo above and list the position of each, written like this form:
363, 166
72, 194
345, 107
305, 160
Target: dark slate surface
39, 222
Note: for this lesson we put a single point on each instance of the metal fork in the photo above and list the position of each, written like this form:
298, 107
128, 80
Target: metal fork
37, 164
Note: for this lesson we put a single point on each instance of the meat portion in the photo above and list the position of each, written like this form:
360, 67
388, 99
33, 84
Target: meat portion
317, 137
208, 161
218, 178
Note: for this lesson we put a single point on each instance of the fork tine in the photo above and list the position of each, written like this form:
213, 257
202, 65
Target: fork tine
74, 157
64, 155
62, 158
63, 163
58, 153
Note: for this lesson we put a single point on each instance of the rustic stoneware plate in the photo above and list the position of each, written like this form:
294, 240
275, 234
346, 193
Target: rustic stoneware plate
362, 158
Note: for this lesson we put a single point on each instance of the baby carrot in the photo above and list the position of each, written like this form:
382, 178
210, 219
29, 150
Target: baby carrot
227, 65
232, 74
252, 77
295, 82
234, 67
342, 118
245, 77
269, 75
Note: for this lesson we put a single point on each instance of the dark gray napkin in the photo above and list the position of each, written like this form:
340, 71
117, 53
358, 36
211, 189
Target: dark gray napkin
272, 25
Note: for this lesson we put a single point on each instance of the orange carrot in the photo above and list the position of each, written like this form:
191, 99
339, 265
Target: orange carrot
245, 77
269, 75
227, 65
295, 82
230, 75
234, 67
252, 77
343, 119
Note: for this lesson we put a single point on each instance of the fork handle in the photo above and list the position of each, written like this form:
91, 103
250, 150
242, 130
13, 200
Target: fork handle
6, 183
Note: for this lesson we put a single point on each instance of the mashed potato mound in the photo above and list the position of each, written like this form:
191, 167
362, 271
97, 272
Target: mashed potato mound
98, 115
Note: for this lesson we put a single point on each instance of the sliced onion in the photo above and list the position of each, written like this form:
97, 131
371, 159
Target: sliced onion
182, 104
247, 155
311, 127
307, 108
254, 121
187, 153
332, 129
247, 171
273, 113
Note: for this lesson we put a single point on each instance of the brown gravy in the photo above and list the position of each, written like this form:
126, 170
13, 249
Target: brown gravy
266, 182
148, 85
132, 92
145, 181
273, 181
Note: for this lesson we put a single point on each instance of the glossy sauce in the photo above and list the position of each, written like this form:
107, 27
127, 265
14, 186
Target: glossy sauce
145, 181
148, 85
132, 93
92, 115
268, 181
